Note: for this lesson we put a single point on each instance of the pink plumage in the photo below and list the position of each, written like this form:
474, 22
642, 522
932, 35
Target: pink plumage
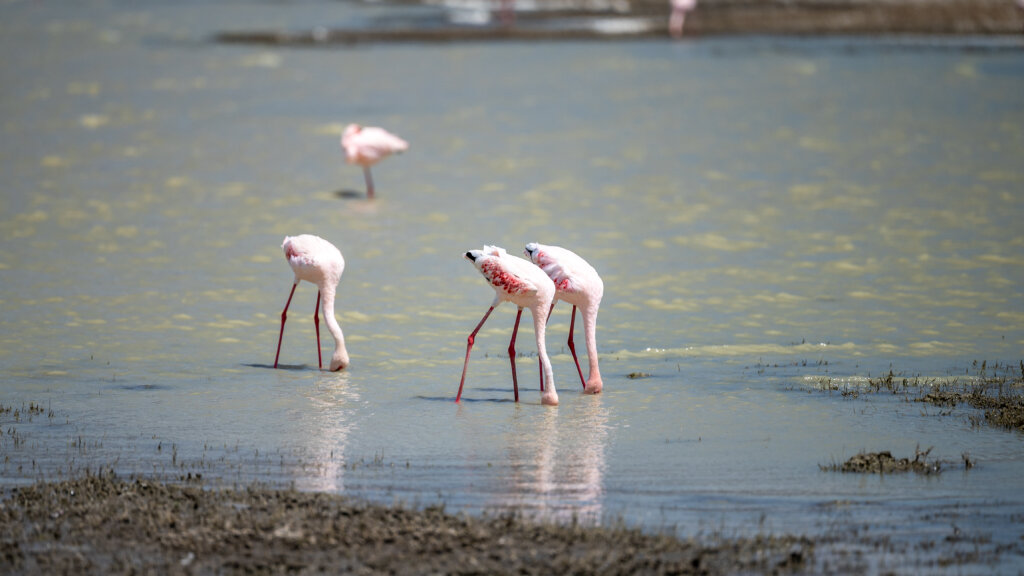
517, 281
319, 262
366, 146
577, 283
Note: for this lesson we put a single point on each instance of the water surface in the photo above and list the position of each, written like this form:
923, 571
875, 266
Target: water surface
761, 211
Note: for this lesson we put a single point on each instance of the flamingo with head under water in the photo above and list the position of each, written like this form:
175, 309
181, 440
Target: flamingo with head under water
319, 262
517, 281
577, 283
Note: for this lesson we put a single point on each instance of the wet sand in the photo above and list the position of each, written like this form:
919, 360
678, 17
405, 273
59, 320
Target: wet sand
648, 19
99, 524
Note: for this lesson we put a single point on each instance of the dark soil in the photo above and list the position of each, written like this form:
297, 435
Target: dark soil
712, 17
102, 525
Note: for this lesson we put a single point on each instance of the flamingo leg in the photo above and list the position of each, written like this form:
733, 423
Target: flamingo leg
316, 323
284, 315
469, 346
508, 13
572, 348
512, 354
369, 181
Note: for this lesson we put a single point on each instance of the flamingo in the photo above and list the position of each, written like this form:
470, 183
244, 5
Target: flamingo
678, 16
517, 281
319, 262
577, 283
367, 146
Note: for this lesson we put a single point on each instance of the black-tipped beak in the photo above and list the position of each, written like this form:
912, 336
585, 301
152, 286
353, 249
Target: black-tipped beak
469, 256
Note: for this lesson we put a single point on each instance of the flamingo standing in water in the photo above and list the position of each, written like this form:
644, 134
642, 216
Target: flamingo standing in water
317, 261
577, 283
678, 16
517, 281
367, 146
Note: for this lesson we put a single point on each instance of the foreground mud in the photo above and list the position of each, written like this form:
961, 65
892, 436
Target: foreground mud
104, 525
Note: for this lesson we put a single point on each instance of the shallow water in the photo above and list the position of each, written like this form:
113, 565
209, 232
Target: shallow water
760, 210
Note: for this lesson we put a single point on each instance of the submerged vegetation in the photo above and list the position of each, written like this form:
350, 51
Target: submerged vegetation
998, 391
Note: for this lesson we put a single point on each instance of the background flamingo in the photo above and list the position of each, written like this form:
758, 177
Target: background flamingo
367, 146
577, 283
678, 16
316, 260
517, 281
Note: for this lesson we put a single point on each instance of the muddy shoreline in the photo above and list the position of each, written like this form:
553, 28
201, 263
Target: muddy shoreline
647, 19
100, 524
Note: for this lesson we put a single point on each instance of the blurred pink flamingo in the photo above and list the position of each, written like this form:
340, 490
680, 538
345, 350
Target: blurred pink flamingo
678, 16
367, 146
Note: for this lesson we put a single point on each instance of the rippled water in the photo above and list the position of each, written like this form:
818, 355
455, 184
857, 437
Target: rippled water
762, 211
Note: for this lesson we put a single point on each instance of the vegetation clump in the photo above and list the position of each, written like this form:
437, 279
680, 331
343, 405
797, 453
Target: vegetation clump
885, 463
998, 391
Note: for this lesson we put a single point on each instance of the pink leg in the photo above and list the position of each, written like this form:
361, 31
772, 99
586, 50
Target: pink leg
540, 364
369, 181
512, 355
284, 315
316, 323
469, 346
508, 13
572, 348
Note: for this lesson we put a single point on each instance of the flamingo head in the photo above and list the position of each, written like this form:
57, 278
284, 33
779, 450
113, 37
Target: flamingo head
474, 255
532, 251
350, 131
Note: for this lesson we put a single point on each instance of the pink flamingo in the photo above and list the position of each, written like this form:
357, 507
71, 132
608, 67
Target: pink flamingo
319, 262
577, 283
678, 16
517, 281
367, 146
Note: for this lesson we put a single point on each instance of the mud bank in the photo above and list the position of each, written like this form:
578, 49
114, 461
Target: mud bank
99, 524
648, 19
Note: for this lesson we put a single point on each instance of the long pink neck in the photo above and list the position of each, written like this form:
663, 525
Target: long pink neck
340, 357
540, 316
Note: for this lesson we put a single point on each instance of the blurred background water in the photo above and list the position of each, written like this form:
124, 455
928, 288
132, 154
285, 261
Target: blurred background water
762, 211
